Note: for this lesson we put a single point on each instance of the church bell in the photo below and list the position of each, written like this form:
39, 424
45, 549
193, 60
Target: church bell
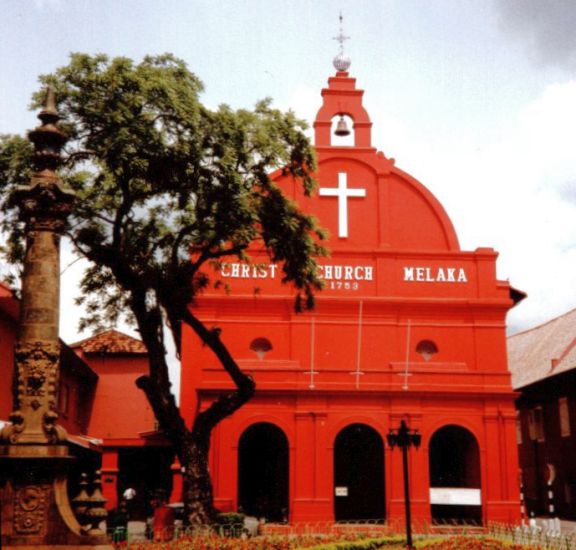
342, 128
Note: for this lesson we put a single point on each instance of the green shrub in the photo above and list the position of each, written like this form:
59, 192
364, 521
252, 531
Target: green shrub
366, 544
230, 518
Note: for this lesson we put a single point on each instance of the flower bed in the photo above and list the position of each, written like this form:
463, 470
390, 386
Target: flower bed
470, 543
344, 541
269, 542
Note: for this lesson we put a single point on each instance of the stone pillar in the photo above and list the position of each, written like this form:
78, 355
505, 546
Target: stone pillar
34, 454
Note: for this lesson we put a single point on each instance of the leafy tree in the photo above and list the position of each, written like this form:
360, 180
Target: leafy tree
166, 188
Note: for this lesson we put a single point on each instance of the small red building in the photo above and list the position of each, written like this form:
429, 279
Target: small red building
109, 422
9, 311
134, 454
408, 327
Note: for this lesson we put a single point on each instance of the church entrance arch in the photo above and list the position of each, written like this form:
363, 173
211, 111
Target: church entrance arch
455, 494
263, 472
358, 474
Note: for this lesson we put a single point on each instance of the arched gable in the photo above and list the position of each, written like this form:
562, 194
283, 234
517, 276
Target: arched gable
417, 219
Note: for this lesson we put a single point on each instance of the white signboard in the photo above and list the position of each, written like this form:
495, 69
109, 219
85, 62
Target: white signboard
455, 496
341, 491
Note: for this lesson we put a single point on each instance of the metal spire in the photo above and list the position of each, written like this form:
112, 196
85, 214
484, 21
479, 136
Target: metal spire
341, 62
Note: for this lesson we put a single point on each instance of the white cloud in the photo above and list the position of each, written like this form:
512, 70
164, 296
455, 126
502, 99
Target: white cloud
305, 102
517, 194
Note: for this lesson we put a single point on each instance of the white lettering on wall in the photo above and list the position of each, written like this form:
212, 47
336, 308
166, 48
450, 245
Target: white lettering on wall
244, 271
326, 272
356, 273
435, 274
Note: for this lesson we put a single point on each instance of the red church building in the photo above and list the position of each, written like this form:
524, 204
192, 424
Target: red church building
408, 327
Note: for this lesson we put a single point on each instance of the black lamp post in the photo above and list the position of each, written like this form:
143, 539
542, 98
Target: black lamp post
404, 438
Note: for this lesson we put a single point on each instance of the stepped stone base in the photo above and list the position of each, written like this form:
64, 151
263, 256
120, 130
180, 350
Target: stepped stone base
36, 512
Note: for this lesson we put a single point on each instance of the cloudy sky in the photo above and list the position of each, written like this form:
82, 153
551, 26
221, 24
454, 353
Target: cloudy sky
476, 99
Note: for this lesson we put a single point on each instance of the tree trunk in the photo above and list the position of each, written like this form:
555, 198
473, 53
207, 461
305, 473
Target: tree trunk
197, 491
192, 446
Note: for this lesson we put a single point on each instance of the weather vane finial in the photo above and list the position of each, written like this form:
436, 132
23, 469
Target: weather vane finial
341, 62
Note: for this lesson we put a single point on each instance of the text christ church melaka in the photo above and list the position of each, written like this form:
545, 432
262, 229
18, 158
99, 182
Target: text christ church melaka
408, 327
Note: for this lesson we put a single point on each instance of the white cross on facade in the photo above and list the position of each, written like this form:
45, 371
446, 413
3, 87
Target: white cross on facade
342, 192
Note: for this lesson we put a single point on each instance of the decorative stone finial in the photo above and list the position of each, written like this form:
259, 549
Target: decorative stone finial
48, 139
44, 205
341, 62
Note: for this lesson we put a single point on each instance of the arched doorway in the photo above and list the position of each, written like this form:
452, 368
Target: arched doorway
455, 494
358, 474
263, 472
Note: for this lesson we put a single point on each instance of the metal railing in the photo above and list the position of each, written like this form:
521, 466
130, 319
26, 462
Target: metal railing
533, 535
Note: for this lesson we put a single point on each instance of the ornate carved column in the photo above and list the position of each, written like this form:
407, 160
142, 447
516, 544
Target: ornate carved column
34, 454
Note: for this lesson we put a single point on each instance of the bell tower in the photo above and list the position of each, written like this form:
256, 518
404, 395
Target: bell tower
340, 99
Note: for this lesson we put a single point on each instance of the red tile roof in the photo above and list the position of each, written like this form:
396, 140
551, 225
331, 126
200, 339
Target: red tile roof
543, 351
111, 341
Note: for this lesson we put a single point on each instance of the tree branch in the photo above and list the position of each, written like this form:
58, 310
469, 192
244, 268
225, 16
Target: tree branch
226, 403
156, 385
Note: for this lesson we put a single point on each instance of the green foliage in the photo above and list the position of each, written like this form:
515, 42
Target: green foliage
15, 170
165, 185
230, 518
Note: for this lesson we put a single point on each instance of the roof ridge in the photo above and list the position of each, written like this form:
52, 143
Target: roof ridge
112, 341
102, 332
564, 354
553, 320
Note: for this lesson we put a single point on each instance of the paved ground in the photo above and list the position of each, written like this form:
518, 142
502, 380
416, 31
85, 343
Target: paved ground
137, 530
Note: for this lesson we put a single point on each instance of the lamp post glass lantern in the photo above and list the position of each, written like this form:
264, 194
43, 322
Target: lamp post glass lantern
404, 438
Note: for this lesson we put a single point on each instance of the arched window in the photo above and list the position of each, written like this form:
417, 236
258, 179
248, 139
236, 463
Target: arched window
261, 346
427, 349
